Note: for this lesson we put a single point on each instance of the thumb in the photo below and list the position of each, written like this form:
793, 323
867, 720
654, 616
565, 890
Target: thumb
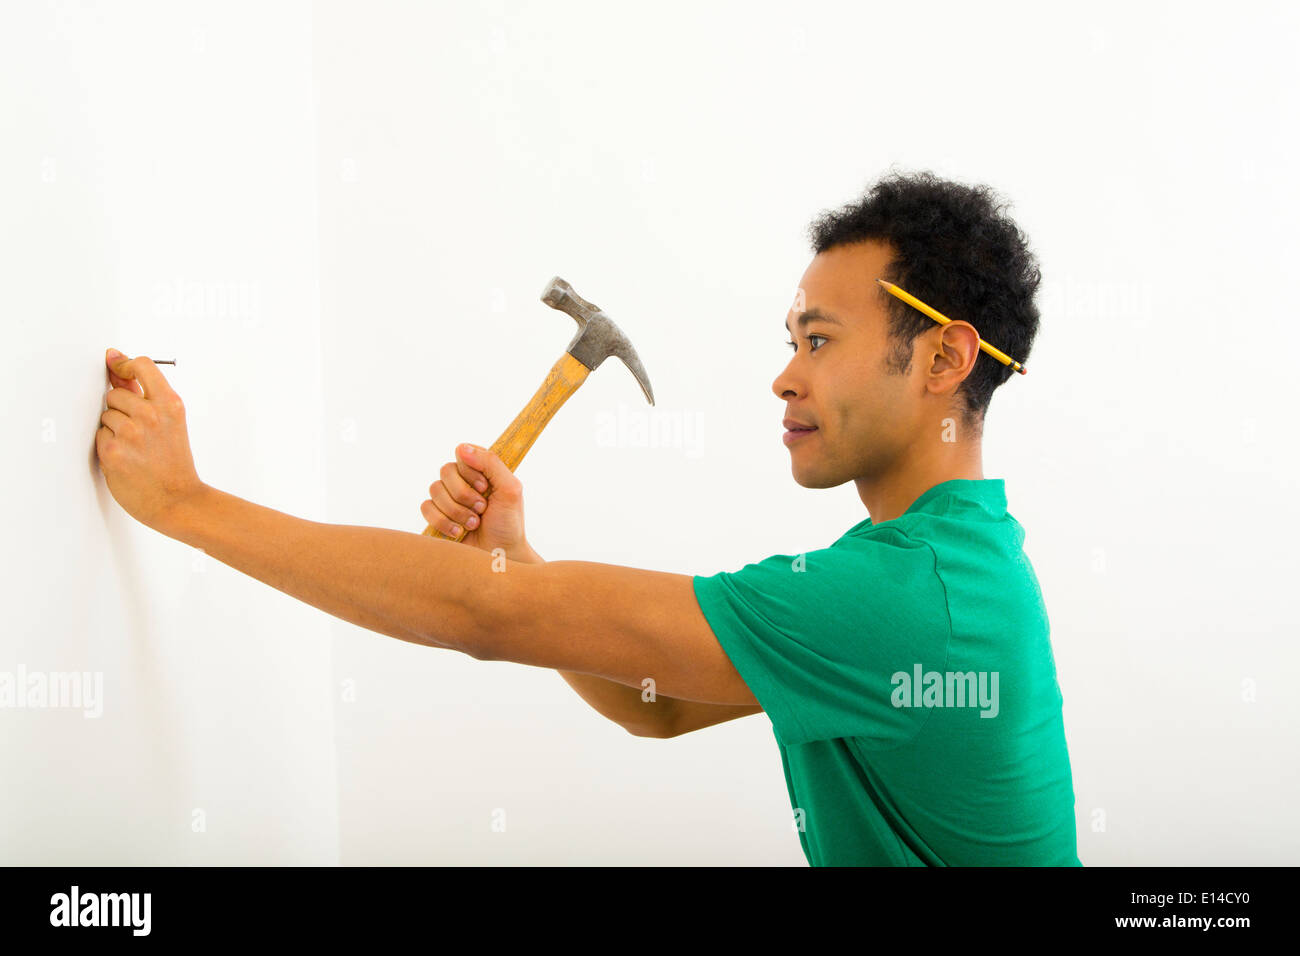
500, 478
120, 372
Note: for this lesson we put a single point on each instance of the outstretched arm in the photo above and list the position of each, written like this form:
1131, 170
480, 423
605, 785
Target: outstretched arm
624, 624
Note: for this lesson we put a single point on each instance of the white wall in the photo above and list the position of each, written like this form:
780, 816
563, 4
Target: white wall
666, 163
158, 195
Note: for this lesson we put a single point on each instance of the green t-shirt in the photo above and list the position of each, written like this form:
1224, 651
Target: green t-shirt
908, 673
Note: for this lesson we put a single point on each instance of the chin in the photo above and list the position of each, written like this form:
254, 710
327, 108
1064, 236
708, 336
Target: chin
811, 478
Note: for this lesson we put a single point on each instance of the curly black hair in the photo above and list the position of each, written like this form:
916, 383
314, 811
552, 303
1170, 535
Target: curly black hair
955, 251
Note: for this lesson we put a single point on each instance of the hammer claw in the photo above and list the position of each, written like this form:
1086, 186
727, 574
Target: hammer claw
598, 337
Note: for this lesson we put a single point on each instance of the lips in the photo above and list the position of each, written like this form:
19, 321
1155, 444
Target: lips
797, 426
796, 430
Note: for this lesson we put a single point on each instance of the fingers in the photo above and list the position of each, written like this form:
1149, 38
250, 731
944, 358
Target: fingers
446, 515
142, 369
459, 497
130, 384
112, 358
467, 471
127, 401
439, 521
503, 482
114, 421
462, 500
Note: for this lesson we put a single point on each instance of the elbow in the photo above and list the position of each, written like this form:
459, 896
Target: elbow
654, 731
480, 622
457, 629
647, 733
476, 639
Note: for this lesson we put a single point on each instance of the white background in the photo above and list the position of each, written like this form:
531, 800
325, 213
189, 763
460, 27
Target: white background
339, 218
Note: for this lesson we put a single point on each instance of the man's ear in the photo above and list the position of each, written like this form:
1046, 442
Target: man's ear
952, 355
960, 345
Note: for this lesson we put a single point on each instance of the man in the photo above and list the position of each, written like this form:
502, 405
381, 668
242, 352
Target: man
906, 668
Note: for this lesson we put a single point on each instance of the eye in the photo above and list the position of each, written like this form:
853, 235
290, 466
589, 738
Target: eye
795, 346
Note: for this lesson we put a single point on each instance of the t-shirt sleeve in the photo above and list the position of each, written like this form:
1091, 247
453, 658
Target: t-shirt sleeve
820, 638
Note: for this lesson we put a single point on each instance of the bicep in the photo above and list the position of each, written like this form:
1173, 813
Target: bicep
625, 624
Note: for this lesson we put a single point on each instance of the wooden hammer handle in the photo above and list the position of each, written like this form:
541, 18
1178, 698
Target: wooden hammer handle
561, 382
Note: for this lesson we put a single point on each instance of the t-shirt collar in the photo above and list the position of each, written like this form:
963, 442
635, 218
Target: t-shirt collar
991, 493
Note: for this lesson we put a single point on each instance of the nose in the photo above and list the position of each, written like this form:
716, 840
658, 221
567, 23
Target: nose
787, 385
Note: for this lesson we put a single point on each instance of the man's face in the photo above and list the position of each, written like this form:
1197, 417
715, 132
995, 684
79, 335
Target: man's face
838, 378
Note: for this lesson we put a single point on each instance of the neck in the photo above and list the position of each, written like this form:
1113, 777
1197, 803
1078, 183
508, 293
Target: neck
891, 493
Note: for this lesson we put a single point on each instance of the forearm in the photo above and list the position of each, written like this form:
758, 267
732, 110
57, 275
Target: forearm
618, 702
408, 586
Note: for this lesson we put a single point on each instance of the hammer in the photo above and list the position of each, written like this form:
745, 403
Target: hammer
597, 339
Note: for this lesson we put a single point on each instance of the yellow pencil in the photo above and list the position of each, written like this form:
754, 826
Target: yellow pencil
944, 320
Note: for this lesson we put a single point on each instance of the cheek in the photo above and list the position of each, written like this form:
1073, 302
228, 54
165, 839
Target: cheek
858, 407
864, 403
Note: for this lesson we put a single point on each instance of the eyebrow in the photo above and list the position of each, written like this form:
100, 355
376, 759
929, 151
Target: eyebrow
814, 315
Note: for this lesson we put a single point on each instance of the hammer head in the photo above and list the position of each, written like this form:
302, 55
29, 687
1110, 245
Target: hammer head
597, 337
